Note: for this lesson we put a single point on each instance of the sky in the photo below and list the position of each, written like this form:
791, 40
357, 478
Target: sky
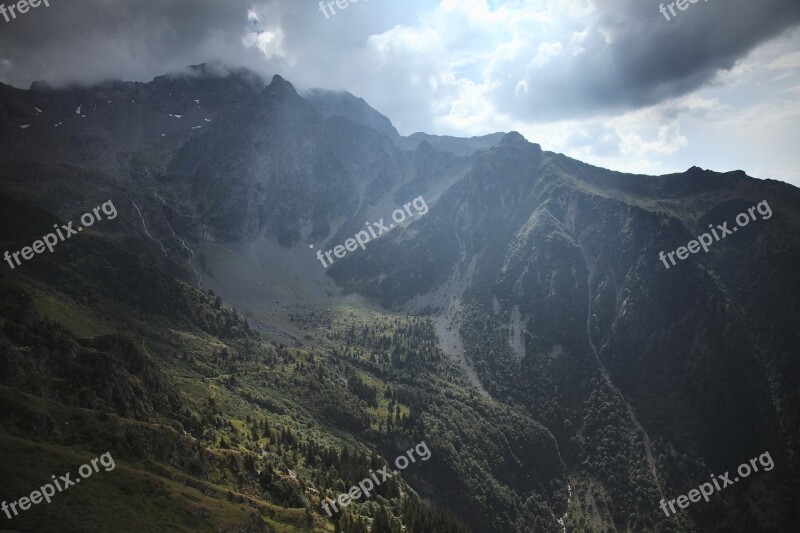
615, 83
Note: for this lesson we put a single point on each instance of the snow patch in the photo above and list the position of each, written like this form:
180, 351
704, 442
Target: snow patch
78, 111
37, 109
25, 126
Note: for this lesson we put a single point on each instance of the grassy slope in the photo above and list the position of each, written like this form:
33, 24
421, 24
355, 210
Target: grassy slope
130, 497
197, 452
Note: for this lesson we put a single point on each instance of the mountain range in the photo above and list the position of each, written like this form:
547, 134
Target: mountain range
524, 328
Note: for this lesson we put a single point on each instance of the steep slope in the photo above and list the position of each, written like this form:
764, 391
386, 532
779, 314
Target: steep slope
674, 350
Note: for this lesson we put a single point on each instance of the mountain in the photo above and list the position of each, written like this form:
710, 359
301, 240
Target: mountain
342, 103
517, 318
454, 145
357, 111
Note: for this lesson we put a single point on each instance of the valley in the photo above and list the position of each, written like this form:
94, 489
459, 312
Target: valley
522, 328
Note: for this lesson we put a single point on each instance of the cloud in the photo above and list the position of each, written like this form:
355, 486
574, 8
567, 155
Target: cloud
537, 60
86, 41
625, 55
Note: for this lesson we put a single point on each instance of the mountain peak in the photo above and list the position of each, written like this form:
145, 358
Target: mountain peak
40, 87
280, 86
513, 137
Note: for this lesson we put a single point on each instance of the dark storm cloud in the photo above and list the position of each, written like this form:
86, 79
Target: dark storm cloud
633, 57
90, 40
87, 41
